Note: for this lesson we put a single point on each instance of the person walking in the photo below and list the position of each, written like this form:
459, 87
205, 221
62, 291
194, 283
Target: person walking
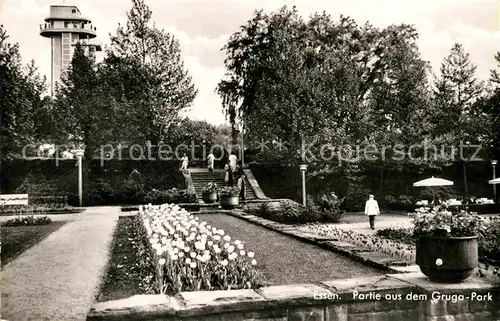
184, 162
372, 210
210, 162
242, 186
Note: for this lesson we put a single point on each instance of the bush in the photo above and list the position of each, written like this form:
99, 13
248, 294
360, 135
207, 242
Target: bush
355, 199
402, 203
291, 212
27, 221
489, 241
172, 195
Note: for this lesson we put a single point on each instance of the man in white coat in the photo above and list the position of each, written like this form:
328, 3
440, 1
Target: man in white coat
372, 210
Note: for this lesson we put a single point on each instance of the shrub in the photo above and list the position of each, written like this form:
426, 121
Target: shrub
329, 208
190, 255
489, 241
172, 195
27, 221
356, 198
291, 212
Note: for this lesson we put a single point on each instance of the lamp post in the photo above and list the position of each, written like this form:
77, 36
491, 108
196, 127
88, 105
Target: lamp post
79, 154
303, 169
464, 164
494, 165
242, 145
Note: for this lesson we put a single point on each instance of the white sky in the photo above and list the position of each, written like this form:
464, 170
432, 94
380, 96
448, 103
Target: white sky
203, 27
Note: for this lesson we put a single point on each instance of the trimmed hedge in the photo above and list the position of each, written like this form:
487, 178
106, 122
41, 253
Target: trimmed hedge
110, 183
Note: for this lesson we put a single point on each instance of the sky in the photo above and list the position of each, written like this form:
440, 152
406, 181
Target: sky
203, 27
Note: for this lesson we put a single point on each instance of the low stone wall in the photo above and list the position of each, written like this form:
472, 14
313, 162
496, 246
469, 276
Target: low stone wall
382, 298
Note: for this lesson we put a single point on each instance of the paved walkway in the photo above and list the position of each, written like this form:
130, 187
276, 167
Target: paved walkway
381, 221
57, 279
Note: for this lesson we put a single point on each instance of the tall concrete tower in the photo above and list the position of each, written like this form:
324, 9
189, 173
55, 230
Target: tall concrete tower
65, 26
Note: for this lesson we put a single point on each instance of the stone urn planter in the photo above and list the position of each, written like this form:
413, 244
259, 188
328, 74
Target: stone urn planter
229, 197
229, 202
446, 244
209, 197
209, 193
447, 259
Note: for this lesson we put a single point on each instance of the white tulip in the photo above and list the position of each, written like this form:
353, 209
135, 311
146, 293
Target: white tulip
251, 254
161, 261
254, 262
192, 265
242, 253
224, 262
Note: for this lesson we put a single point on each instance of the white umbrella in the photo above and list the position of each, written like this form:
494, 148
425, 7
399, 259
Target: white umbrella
494, 181
433, 181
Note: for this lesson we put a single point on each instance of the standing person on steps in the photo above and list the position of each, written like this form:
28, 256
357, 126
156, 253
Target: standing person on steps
372, 210
210, 162
242, 186
184, 162
232, 161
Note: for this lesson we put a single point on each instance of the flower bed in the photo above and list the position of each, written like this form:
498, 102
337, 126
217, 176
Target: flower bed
373, 243
191, 255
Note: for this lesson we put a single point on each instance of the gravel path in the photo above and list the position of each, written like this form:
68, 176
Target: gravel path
285, 260
57, 279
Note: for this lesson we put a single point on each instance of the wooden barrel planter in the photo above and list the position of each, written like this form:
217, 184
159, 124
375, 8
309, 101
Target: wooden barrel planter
209, 197
447, 259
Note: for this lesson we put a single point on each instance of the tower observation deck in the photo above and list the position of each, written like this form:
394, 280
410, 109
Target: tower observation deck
65, 26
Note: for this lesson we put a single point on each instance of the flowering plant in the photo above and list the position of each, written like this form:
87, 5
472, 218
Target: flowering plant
230, 191
191, 255
438, 221
209, 188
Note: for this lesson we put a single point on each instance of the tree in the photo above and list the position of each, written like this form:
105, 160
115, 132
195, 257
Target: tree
22, 108
288, 79
457, 89
153, 56
88, 114
488, 113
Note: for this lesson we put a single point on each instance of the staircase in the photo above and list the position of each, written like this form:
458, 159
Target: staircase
201, 177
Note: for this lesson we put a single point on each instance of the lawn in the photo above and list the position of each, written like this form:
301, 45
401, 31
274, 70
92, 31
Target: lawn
124, 277
17, 239
285, 260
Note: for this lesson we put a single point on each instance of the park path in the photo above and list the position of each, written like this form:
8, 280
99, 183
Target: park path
57, 279
382, 221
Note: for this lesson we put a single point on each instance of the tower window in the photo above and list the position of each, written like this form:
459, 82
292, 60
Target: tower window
73, 11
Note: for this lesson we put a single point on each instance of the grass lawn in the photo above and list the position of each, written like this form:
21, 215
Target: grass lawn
123, 278
285, 260
17, 239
